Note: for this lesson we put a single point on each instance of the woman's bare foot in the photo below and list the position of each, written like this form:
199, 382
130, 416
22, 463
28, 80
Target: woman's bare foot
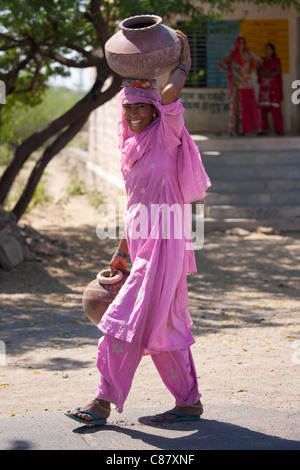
100, 407
194, 410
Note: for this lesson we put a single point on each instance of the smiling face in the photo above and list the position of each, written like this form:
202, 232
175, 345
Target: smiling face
138, 116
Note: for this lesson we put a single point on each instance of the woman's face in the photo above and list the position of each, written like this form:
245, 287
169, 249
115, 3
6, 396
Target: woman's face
138, 116
268, 51
241, 43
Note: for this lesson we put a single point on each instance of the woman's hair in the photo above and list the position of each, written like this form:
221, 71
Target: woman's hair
272, 47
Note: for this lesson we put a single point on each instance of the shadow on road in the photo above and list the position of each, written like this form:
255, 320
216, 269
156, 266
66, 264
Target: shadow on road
203, 435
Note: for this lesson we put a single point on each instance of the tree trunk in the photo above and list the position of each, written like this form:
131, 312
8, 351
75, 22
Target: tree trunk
84, 107
59, 144
41, 164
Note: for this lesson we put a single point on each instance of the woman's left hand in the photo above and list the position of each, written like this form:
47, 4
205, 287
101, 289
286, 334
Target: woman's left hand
117, 262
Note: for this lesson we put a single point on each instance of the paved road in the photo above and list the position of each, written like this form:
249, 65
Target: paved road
234, 427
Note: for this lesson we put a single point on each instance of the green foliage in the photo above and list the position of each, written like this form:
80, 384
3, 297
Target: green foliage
40, 196
20, 120
192, 12
31, 33
76, 188
5, 155
229, 5
96, 198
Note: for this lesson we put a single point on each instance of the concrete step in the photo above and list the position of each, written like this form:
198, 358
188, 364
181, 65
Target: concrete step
256, 199
263, 158
254, 182
210, 142
253, 186
260, 213
222, 224
251, 172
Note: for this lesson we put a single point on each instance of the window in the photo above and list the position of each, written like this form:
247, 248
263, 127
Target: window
206, 50
197, 76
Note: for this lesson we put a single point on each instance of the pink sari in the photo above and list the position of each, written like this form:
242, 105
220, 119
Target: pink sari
160, 166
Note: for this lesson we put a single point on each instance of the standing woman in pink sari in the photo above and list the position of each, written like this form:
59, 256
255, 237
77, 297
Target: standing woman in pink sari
244, 112
162, 169
270, 89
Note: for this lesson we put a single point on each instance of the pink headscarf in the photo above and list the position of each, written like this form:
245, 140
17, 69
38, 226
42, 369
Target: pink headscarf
193, 180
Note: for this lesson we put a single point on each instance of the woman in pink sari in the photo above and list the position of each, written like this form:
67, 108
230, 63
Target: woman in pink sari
244, 112
162, 168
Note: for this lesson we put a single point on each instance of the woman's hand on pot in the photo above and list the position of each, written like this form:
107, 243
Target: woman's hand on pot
177, 80
117, 262
185, 53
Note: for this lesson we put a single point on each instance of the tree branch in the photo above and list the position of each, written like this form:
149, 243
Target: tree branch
79, 49
59, 143
99, 23
11, 77
7, 38
80, 64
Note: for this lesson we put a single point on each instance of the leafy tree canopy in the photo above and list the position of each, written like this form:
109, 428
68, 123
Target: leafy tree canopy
40, 39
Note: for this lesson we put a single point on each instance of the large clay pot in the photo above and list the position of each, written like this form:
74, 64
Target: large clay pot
99, 293
143, 48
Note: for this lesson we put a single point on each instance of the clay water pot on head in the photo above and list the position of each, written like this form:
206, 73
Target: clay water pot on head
143, 48
99, 293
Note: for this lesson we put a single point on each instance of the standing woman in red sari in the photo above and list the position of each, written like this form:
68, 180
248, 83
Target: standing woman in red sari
244, 111
270, 90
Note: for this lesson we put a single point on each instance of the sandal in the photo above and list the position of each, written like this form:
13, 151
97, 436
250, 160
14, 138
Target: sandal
96, 421
179, 416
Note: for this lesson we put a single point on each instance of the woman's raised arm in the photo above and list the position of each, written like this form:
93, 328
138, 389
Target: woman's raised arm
177, 80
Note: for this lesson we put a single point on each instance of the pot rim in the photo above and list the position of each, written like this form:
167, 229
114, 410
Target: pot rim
132, 20
103, 276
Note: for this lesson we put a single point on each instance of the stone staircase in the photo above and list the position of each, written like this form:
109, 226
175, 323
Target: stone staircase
255, 182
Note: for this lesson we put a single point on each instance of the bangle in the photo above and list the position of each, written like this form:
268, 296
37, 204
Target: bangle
119, 253
183, 68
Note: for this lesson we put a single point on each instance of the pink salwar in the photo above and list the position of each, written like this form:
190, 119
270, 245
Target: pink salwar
118, 360
160, 166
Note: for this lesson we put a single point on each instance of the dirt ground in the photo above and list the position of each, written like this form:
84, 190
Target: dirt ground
244, 301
